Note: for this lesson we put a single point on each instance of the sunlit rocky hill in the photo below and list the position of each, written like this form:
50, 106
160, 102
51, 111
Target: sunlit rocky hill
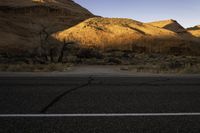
127, 34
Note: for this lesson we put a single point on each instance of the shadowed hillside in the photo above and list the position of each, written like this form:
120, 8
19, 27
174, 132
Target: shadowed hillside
174, 26
25, 23
65, 6
171, 25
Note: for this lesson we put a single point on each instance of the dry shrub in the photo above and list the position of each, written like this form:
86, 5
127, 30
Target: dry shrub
113, 61
89, 52
191, 69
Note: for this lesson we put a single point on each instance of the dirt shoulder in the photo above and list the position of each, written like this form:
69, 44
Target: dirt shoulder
95, 70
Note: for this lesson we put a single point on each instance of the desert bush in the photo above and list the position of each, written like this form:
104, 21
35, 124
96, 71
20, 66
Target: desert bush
113, 61
192, 69
116, 54
93, 61
173, 65
89, 52
128, 54
139, 48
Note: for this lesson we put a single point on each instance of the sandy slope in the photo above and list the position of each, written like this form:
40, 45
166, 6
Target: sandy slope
195, 31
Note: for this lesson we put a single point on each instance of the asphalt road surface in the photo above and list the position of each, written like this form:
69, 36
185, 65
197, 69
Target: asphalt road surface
97, 104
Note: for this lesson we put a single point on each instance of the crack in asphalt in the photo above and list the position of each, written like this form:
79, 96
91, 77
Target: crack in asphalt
59, 97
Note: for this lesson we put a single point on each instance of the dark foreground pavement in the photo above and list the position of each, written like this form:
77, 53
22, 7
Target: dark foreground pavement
99, 95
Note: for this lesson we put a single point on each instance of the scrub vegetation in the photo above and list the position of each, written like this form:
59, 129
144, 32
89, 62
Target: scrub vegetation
51, 35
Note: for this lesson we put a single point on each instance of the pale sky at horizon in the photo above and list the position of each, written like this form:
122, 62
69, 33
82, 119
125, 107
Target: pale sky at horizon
186, 12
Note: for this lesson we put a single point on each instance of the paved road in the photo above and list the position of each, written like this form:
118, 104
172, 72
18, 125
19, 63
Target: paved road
161, 98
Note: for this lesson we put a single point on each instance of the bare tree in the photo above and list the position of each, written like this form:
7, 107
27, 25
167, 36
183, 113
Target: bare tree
63, 49
44, 36
50, 49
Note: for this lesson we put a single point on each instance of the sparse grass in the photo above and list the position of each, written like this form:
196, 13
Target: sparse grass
158, 69
191, 69
136, 62
34, 67
153, 63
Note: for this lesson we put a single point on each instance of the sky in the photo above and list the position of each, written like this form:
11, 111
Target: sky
186, 12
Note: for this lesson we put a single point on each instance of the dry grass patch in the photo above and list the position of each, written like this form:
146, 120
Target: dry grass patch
35, 67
